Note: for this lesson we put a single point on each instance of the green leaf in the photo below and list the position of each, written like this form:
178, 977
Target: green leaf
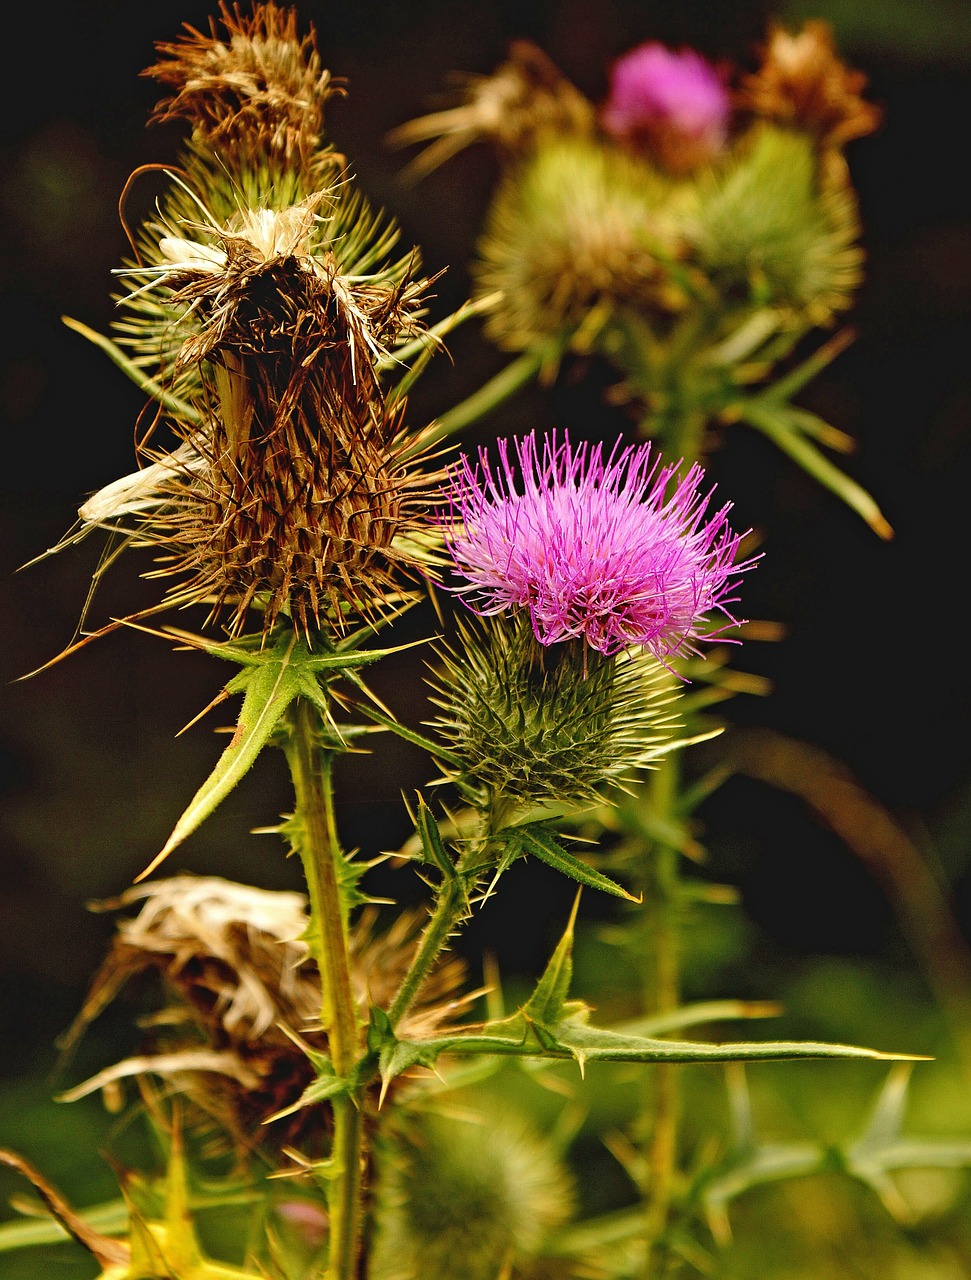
270, 687
546, 1003
777, 423
432, 845
180, 408
538, 840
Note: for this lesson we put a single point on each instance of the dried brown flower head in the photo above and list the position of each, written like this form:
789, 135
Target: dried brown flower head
803, 82
260, 87
525, 98
241, 990
293, 494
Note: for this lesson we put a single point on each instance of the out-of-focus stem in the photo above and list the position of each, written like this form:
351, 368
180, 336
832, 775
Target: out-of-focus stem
319, 850
662, 994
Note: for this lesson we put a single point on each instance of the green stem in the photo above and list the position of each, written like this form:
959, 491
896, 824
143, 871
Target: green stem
450, 909
320, 853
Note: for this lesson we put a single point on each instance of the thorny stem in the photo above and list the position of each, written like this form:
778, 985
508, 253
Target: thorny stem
450, 908
320, 853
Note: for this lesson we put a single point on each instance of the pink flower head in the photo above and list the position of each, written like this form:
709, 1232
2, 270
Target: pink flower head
675, 104
616, 550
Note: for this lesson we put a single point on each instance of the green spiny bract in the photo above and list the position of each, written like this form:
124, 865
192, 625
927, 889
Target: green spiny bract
532, 723
465, 1199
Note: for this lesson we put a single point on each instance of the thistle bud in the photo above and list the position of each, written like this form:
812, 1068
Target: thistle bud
534, 724
475, 1198
672, 106
769, 228
575, 232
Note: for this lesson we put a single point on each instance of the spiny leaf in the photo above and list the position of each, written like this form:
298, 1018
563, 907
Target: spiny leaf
545, 1005
539, 841
431, 841
270, 688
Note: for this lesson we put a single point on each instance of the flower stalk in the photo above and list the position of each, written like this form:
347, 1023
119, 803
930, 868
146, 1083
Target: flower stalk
311, 767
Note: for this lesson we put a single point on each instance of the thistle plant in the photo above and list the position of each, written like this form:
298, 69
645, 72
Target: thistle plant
292, 507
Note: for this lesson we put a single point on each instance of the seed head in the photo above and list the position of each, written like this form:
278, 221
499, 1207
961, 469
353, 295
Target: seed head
674, 106
617, 551
293, 494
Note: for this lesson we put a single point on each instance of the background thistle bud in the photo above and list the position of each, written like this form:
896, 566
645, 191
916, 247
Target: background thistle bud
769, 226
536, 724
576, 231
672, 105
467, 1199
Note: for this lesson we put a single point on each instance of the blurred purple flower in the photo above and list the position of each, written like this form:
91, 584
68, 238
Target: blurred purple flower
616, 550
674, 104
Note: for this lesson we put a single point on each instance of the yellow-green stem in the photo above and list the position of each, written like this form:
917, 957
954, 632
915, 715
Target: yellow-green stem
311, 767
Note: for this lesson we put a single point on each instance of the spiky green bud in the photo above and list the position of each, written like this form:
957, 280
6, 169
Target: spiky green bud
466, 1199
769, 230
576, 230
535, 723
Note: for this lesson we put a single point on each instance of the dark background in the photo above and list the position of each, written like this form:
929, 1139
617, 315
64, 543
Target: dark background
875, 669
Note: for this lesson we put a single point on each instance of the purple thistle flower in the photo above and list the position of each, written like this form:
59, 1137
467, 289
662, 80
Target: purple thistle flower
676, 104
617, 550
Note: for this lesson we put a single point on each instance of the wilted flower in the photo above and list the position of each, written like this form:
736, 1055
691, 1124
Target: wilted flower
525, 99
615, 550
803, 82
674, 105
242, 991
258, 87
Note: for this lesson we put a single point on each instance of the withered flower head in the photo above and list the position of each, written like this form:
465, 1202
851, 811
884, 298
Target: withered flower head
293, 494
803, 82
526, 98
240, 990
259, 87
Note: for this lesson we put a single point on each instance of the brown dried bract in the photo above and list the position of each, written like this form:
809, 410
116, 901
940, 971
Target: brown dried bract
803, 82
295, 495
